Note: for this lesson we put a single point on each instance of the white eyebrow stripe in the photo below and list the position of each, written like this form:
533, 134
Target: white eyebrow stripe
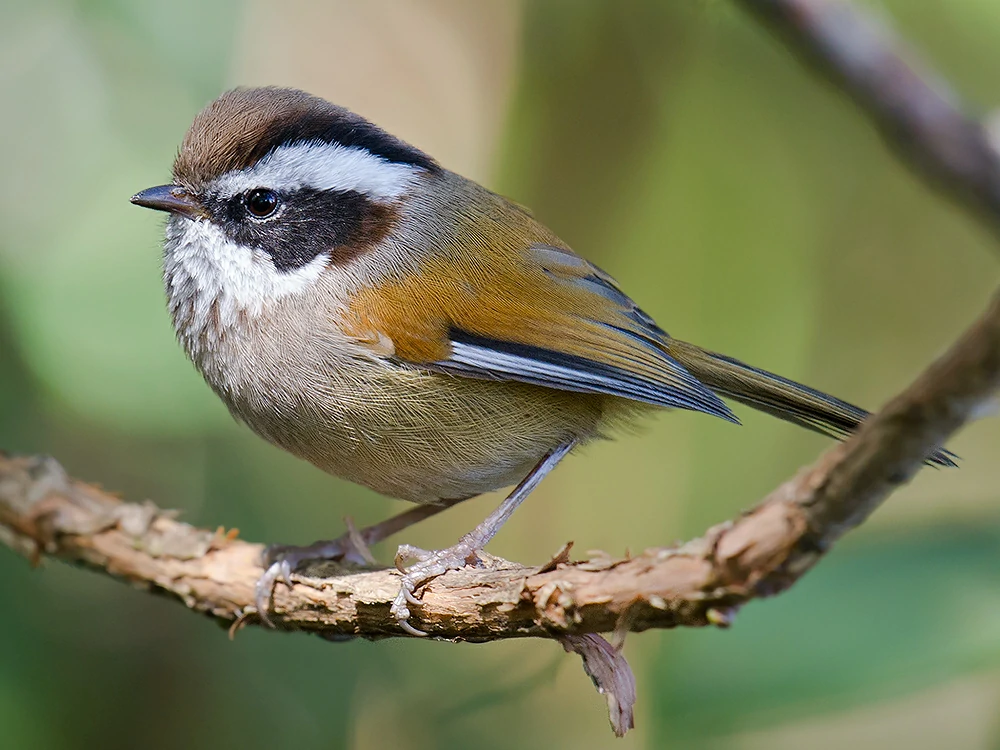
323, 166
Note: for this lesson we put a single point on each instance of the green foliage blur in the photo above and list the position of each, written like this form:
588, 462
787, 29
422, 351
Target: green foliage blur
743, 204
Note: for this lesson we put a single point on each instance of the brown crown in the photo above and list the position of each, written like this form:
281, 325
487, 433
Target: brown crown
243, 125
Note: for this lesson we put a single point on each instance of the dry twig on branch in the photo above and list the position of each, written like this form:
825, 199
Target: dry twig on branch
44, 512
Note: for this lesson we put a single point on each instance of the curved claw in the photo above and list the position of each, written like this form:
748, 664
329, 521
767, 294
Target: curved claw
285, 572
280, 570
405, 625
399, 562
408, 552
401, 612
410, 596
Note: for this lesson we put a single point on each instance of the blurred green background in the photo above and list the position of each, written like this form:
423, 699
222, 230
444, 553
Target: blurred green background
745, 206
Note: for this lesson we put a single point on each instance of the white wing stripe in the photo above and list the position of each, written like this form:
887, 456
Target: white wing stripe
483, 361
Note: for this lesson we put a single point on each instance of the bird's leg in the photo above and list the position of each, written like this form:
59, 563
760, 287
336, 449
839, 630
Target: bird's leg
281, 560
432, 564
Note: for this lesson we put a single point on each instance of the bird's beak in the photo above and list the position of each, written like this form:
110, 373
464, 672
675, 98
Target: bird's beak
171, 198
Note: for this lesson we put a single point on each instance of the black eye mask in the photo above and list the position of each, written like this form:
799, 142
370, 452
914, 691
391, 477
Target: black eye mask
303, 223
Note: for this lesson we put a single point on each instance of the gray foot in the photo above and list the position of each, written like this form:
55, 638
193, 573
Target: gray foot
281, 561
429, 565
432, 564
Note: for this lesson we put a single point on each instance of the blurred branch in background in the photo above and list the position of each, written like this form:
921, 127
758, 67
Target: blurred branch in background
916, 111
42, 511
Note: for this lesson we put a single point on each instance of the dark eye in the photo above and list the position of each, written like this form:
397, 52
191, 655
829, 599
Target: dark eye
262, 202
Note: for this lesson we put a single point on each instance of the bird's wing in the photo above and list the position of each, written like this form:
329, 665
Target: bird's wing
548, 317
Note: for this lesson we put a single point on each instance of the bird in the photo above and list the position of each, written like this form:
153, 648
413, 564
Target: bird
402, 327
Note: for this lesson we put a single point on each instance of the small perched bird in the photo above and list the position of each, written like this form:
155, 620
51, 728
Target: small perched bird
400, 326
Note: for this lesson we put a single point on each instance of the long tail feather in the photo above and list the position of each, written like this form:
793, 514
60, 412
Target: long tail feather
778, 396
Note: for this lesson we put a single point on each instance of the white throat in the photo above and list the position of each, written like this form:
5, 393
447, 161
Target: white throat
212, 282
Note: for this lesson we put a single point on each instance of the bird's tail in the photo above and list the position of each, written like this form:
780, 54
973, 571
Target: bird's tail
778, 396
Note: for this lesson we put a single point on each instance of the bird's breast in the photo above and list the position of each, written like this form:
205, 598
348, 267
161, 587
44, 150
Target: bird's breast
403, 432
285, 366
